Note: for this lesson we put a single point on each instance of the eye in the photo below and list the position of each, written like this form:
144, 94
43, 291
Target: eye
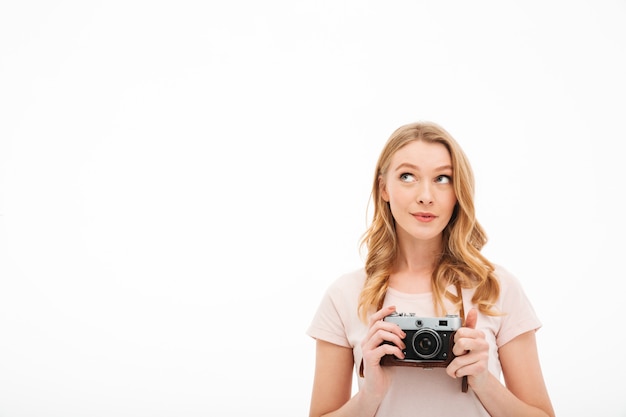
406, 177
443, 179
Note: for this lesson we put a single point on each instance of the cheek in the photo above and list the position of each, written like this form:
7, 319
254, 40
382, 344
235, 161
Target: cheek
399, 196
447, 200
451, 203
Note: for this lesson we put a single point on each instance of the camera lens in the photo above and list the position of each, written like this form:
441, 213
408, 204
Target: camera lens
426, 343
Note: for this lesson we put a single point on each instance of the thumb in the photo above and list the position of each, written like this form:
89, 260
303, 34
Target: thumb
471, 319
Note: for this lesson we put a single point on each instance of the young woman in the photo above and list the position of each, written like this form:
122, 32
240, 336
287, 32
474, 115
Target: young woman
423, 258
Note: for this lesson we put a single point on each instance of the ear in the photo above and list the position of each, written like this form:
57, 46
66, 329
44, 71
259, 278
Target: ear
382, 188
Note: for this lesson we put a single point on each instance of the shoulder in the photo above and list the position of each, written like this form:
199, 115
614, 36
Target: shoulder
336, 319
504, 275
519, 314
350, 280
509, 283
347, 285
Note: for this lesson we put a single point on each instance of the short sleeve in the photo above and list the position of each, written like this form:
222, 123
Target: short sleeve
336, 319
519, 315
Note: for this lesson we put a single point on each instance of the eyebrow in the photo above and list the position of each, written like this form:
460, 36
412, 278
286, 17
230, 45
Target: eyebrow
416, 168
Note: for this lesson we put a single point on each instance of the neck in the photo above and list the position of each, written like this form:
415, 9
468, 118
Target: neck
413, 270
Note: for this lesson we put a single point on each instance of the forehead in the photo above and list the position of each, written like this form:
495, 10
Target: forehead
422, 154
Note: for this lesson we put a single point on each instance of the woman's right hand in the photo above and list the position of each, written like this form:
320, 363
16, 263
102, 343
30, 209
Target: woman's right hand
373, 348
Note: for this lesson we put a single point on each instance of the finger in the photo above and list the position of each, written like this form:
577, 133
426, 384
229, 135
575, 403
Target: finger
463, 346
469, 340
470, 369
377, 323
384, 333
372, 353
372, 358
460, 366
381, 314
386, 349
471, 319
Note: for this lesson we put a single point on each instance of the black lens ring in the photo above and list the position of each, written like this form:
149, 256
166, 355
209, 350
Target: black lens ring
436, 338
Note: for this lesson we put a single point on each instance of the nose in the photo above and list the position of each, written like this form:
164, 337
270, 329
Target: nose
425, 201
424, 195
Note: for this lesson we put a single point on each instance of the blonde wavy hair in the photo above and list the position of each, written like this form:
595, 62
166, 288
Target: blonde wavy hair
461, 262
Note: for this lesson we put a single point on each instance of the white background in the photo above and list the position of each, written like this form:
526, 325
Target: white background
180, 182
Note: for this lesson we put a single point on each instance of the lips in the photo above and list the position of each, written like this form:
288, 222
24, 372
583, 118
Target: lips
424, 217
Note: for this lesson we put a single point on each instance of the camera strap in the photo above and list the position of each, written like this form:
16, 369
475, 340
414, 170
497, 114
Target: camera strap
459, 294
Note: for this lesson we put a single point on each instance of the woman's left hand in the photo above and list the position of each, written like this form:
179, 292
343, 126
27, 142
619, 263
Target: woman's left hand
472, 353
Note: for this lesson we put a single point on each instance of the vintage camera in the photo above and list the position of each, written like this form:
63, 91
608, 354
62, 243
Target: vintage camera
429, 340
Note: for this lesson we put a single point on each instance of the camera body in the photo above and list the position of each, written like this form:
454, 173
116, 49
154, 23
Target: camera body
429, 340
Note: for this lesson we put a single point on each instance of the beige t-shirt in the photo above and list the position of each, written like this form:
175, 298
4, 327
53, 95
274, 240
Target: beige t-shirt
418, 391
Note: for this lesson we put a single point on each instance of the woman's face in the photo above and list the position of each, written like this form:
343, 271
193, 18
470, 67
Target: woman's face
418, 188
